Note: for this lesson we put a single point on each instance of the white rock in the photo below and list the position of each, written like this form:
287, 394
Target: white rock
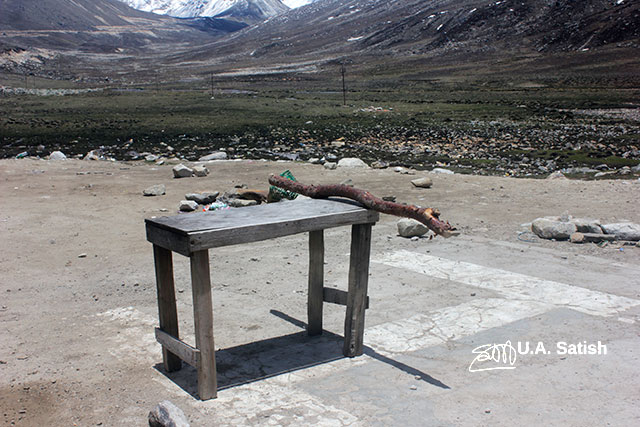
57, 155
410, 227
200, 171
550, 229
352, 162
218, 155
181, 171
188, 206
330, 165
623, 230
166, 414
422, 182
441, 170
556, 175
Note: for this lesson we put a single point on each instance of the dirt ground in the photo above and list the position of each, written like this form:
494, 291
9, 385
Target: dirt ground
78, 305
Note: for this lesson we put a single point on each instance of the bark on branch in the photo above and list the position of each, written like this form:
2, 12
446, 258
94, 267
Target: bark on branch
427, 216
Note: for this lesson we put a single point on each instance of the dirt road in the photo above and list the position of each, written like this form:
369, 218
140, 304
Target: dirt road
78, 305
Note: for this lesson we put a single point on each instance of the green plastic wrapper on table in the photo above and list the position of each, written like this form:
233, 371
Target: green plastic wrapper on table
276, 194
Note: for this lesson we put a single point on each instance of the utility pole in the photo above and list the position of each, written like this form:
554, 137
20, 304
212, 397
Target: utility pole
344, 87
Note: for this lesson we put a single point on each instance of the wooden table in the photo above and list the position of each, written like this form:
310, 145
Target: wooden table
192, 235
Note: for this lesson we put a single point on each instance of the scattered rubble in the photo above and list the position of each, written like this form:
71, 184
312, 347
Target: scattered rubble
580, 230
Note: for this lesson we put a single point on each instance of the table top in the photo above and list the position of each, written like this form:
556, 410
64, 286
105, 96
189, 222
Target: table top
187, 233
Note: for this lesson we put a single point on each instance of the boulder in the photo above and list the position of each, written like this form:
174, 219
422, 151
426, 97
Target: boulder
155, 190
181, 171
422, 182
442, 171
166, 414
550, 229
200, 171
352, 162
410, 227
330, 165
57, 155
623, 230
188, 206
218, 155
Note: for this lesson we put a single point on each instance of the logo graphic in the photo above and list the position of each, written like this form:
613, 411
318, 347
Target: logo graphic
491, 357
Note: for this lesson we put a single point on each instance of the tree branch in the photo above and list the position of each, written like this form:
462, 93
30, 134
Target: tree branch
427, 216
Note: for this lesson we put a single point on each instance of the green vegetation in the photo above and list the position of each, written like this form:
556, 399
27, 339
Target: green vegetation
429, 116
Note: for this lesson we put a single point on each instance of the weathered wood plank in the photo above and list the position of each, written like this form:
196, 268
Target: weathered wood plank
338, 296
358, 283
316, 282
234, 226
203, 318
167, 239
167, 310
181, 349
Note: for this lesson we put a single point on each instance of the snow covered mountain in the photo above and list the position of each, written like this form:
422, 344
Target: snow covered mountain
259, 9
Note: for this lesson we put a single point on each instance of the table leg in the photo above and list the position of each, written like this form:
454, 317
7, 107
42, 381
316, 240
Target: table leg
203, 317
316, 282
357, 296
167, 310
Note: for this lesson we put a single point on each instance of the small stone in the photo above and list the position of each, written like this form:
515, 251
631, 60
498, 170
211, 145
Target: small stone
415, 238
623, 230
379, 164
413, 387
550, 229
442, 171
411, 228
200, 171
94, 155
576, 237
330, 165
338, 144
348, 182
203, 198
166, 414
155, 190
57, 155
181, 171
315, 161
352, 162
241, 203
389, 198
83, 255
188, 206
398, 169
150, 158
422, 182
557, 175
218, 155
